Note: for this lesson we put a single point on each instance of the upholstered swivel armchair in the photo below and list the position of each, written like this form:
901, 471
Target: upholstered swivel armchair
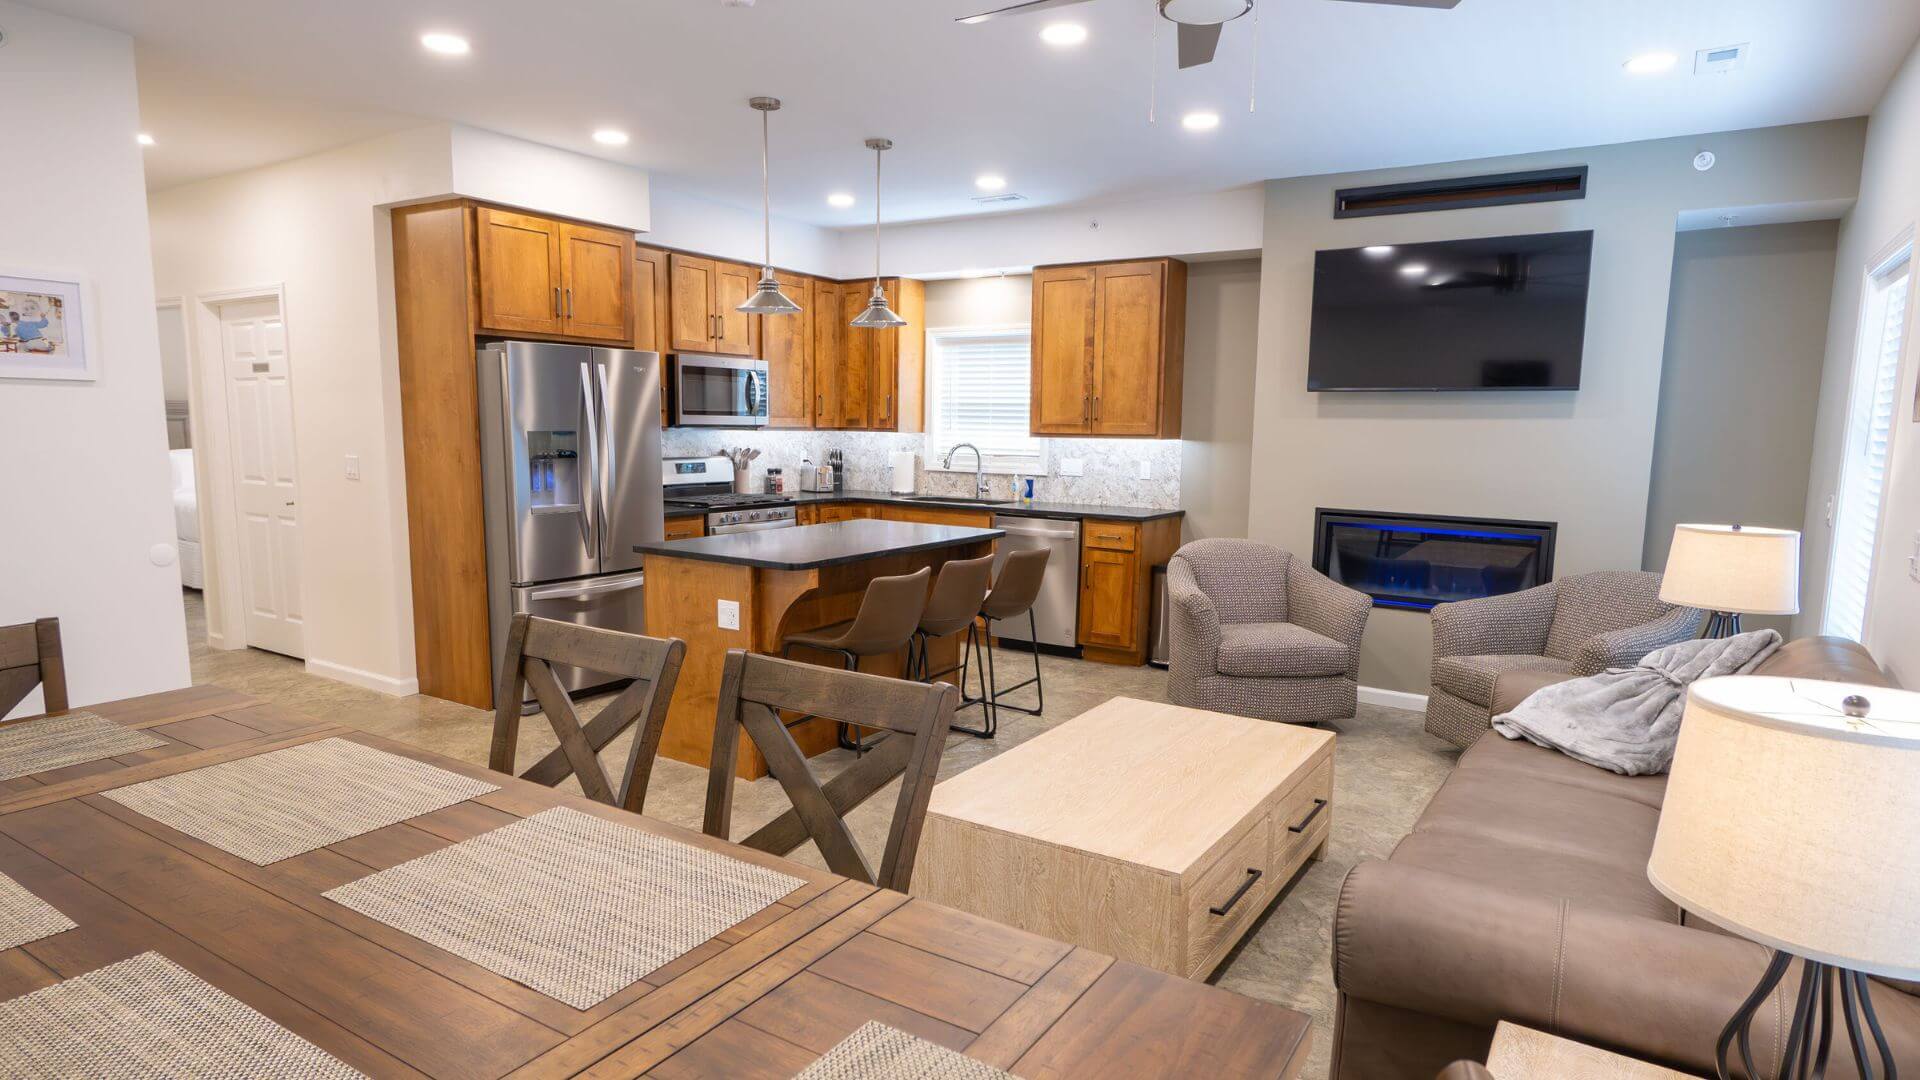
1258, 632
1490, 653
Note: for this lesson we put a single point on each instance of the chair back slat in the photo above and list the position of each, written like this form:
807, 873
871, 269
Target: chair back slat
754, 689
30, 656
534, 645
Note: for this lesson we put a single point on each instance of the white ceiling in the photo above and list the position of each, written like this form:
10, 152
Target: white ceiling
228, 84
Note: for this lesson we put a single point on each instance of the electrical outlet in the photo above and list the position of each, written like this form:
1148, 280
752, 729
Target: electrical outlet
729, 614
1146, 469
353, 466
1072, 466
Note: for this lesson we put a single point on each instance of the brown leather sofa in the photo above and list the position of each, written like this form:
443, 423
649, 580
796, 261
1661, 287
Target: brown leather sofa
1522, 894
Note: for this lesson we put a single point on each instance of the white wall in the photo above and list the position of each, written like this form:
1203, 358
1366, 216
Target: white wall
1580, 458
86, 491
1216, 424
1889, 205
688, 221
501, 169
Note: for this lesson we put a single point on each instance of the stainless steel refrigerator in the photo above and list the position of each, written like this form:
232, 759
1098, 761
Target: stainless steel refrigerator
570, 447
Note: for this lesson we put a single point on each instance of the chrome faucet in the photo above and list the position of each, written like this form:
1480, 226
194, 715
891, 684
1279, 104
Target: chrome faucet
979, 466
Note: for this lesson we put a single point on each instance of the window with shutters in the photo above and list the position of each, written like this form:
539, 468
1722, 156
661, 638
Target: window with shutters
1863, 466
979, 391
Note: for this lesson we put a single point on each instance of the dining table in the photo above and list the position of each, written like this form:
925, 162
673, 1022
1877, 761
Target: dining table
765, 998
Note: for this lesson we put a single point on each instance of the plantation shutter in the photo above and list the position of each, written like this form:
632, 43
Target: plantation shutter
1863, 470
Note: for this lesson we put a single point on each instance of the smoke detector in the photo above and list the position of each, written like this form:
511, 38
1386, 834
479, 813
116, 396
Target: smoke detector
1721, 61
1704, 160
998, 198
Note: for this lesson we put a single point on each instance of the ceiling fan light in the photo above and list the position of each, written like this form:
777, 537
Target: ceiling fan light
1204, 12
767, 299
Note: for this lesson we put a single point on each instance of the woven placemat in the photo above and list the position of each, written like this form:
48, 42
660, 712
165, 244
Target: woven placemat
289, 802
879, 1052
71, 738
25, 917
573, 906
148, 1017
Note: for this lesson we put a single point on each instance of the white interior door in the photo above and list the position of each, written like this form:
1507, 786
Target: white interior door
260, 415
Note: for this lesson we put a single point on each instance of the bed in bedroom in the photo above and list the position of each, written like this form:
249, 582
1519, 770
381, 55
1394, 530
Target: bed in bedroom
186, 520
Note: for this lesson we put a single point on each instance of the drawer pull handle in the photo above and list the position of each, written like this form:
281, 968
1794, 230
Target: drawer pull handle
1252, 876
1318, 805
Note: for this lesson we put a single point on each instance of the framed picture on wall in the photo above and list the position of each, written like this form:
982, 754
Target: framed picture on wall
43, 329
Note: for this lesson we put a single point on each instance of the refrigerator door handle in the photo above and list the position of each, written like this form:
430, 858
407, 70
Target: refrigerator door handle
606, 470
588, 592
589, 495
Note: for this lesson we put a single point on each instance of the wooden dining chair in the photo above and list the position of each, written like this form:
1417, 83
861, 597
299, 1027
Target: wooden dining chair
30, 656
533, 646
753, 690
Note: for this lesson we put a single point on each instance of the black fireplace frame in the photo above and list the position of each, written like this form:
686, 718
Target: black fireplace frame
1323, 540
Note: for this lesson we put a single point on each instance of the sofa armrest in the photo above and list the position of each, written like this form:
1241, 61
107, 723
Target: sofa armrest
1624, 648
1509, 623
1329, 609
1193, 638
1450, 947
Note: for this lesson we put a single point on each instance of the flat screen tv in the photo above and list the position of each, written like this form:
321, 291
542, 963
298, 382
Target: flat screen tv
1498, 313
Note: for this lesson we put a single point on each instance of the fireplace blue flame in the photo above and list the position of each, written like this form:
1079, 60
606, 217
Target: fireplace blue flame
1414, 561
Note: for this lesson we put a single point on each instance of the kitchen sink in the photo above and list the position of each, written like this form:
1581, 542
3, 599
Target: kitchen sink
968, 499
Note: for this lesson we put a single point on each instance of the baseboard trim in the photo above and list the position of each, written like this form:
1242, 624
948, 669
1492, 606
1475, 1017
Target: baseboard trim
366, 680
1393, 699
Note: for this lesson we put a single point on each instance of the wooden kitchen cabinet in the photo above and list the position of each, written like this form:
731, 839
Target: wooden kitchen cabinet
786, 344
1109, 348
543, 276
1106, 598
1116, 578
830, 332
704, 297
686, 527
937, 515
870, 380
650, 305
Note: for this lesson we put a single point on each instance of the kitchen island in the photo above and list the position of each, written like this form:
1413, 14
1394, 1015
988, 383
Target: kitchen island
751, 590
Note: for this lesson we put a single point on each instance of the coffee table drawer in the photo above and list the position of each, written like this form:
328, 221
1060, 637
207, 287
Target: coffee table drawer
1303, 818
1229, 895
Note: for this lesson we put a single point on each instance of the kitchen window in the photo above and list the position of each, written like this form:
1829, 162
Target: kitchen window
1863, 466
979, 391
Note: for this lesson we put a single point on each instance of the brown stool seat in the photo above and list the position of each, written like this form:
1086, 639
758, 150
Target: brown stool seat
827, 637
957, 595
1013, 595
889, 616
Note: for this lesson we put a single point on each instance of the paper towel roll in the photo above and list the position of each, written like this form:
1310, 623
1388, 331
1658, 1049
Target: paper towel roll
902, 467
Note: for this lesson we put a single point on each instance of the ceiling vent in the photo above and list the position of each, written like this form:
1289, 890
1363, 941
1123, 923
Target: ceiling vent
1720, 61
1002, 197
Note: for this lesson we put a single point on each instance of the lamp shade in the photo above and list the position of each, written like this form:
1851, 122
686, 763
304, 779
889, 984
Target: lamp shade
1737, 568
1791, 823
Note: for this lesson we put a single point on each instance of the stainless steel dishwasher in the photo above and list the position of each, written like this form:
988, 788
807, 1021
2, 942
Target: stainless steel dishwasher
1056, 614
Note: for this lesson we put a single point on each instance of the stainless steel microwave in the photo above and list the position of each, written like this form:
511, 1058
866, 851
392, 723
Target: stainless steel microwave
719, 391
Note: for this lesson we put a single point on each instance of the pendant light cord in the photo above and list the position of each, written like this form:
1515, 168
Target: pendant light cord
766, 192
876, 216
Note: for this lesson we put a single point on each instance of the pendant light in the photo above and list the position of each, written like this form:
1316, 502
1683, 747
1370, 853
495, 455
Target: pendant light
878, 315
767, 299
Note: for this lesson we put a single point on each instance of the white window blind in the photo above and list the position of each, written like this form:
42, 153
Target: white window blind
979, 391
1863, 469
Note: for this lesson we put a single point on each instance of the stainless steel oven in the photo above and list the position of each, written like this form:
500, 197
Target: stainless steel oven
719, 391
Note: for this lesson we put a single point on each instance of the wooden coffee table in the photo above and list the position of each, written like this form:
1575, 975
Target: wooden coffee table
1149, 831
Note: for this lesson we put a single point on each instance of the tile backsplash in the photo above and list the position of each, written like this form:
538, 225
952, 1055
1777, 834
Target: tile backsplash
1111, 467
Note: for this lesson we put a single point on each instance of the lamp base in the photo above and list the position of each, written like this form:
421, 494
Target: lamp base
1810, 1037
1721, 624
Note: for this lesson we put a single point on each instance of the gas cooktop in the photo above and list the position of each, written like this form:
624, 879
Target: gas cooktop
729, 500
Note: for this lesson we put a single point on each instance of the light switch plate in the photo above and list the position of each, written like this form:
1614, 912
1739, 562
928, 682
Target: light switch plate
1146, 469
1072, 466
729, 614
353, 466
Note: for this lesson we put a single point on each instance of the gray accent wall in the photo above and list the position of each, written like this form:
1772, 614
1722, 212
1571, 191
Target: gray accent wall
1746, 341
1216, 418
1581, 458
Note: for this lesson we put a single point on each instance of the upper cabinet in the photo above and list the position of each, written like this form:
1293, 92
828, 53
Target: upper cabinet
786, 344
705, 295
870, 380
1108, 348
541, 276
650, 305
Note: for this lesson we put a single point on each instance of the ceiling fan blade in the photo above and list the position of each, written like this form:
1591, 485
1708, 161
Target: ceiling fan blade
1445, 5
1197, 43
1016, 9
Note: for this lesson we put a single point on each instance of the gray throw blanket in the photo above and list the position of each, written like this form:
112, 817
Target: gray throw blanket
1628, 719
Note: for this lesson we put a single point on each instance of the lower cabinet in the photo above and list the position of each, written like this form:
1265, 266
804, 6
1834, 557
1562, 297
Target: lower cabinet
1106, 598
938, 515
686, 528
1116, 575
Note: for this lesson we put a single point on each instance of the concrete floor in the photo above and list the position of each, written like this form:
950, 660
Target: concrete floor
1385, 770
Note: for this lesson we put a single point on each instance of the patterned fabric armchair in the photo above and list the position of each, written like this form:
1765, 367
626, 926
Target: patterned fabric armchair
1489, 654
1257, 632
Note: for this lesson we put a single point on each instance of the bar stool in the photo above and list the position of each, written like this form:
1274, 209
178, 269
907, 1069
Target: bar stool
888, 617
1013, 595
958, 594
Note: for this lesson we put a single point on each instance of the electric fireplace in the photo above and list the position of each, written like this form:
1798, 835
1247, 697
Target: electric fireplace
1417, 561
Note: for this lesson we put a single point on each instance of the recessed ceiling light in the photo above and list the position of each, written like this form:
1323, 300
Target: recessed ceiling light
840, 200
1651, 63
610, 137
445, 44
143, 139
989, 182
1414, 269
1063, 34
1200, 120
1378, 251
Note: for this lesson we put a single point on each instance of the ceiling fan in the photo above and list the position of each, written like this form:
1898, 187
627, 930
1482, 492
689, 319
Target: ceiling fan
1199, 20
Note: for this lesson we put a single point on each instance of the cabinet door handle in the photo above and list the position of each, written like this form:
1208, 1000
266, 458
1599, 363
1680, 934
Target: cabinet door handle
1096, 406
887, 409
569, 303
556, 301
1253, 875
1318, 805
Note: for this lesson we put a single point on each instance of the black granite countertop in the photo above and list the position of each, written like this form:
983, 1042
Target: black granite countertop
810, 546
1065, 511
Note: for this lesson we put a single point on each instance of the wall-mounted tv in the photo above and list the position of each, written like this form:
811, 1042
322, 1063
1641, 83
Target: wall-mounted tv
1497, 313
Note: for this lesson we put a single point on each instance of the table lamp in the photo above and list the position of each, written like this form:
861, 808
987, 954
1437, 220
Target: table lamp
1792, 817
1733, 569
